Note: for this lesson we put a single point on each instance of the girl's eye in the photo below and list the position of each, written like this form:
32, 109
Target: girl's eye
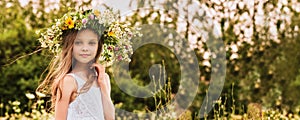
77, 42
92, 43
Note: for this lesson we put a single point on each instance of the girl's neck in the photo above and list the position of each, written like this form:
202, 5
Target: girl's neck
82, 68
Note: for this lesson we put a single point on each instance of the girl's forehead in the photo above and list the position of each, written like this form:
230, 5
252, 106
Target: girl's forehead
87, 31
87, 34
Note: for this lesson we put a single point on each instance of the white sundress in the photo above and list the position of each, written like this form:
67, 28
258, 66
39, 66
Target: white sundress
86, 106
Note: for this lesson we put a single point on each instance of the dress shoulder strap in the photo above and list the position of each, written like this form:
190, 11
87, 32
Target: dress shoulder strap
77, 79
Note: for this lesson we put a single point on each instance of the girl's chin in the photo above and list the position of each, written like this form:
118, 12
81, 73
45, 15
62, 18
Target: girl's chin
84, 61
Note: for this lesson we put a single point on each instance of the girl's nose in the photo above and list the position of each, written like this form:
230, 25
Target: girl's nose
84, 48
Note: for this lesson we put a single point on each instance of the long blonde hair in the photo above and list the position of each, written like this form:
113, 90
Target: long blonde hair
61, 65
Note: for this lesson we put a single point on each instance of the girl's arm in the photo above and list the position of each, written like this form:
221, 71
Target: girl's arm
104, 83
63, 99
108, 106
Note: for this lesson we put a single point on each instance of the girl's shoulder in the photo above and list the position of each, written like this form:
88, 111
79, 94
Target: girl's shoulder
69, 81
106, 79
106, 76
69, 78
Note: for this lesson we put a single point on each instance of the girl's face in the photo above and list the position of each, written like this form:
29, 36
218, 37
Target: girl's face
85, 46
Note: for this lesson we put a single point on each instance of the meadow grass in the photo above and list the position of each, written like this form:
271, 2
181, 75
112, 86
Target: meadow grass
255, 111
164, 109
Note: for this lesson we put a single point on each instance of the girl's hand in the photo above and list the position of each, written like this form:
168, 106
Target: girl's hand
102, 79
100, 69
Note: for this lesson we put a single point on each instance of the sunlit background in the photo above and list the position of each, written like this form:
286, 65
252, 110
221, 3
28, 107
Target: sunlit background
261, 40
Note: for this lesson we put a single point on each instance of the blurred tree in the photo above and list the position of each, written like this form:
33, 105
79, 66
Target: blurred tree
261, 39
16, 41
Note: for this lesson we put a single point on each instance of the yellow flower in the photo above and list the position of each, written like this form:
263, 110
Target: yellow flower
111, 33
97, 13
70, 23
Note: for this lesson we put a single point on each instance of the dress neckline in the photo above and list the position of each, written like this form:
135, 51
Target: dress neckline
81, 79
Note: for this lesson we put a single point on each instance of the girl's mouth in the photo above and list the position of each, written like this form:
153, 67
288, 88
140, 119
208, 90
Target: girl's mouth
84, 55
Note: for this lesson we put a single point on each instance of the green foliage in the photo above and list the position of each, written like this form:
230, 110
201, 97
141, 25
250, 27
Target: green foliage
22, 75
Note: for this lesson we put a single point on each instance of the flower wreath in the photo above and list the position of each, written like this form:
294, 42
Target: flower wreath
117, 44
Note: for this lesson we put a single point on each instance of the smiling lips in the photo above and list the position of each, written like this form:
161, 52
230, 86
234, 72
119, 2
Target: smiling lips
84, 55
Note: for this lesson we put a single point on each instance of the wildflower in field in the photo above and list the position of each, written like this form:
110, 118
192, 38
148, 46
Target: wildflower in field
39, 94
16, 103
30, 95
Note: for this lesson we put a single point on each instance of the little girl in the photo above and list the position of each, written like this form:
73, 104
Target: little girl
80, 88
80, 93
